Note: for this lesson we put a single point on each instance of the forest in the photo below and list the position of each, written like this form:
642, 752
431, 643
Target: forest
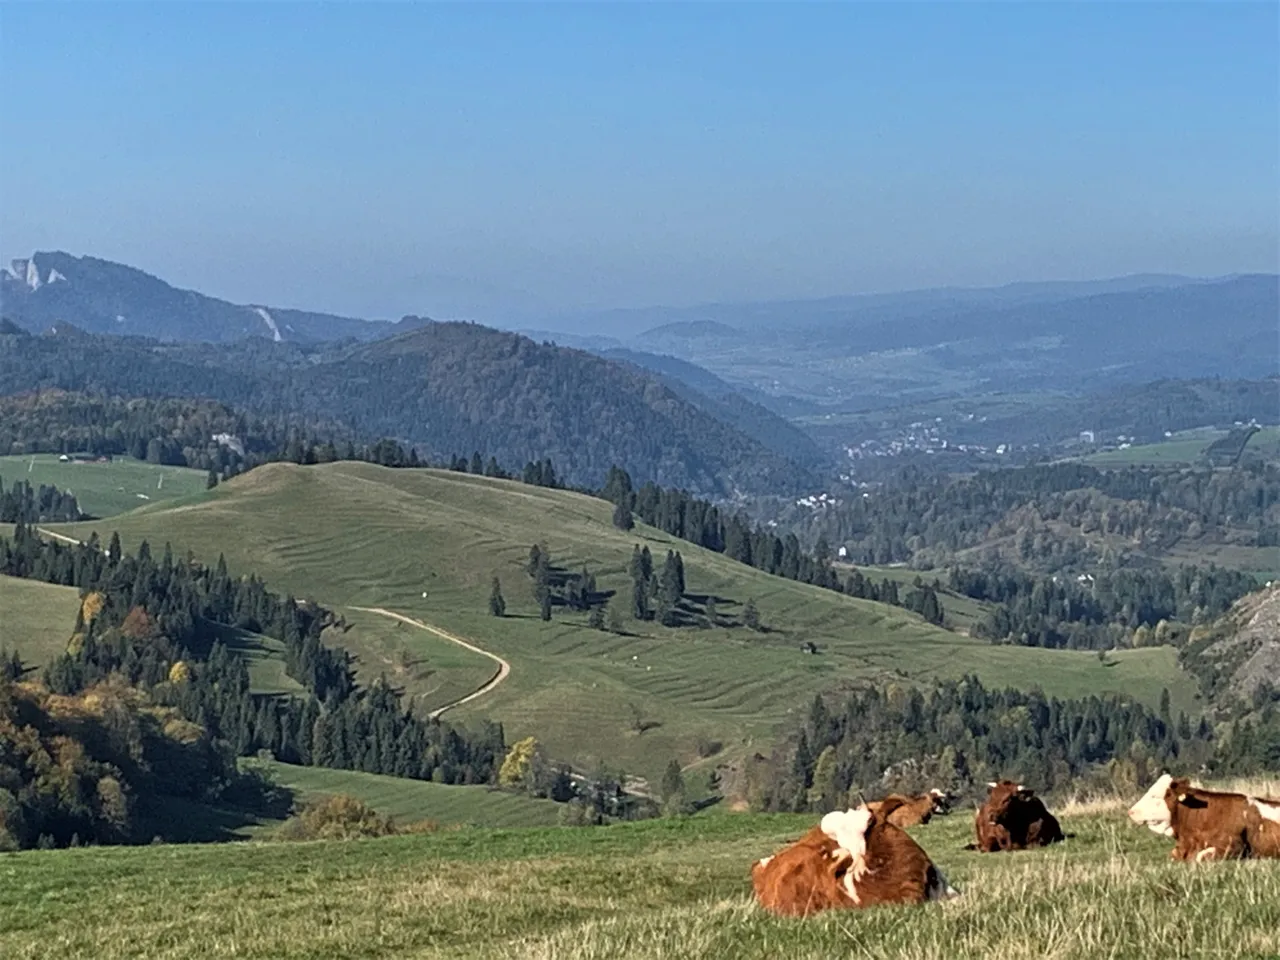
439, 388
961, 734
150, 623
927, 521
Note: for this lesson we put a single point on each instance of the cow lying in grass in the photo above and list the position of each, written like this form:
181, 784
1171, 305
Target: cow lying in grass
1209, 824
914, 811
1014, 818
853, 858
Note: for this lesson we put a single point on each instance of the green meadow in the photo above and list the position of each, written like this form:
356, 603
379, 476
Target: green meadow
104, 489
427, 543
652, 890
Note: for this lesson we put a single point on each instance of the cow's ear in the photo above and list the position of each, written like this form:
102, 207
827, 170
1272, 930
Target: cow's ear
992, 784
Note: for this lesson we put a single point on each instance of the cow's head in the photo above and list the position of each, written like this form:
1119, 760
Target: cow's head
1180, 793
1005, 794
941, 801
1151, 811
849, 829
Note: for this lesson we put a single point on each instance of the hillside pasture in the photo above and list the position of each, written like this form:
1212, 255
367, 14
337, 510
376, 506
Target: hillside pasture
658, 889
413, 801
105, 489
36, 619
427, 543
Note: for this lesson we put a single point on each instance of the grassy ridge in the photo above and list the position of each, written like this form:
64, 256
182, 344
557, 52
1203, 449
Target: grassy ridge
36, 619
105, 489
409, 801
356, 534
651, 890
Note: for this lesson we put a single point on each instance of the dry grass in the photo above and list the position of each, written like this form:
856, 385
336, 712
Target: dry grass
653, 890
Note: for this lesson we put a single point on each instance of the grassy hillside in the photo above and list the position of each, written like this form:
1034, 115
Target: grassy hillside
104, 489
961, 612
657, 889
409, 801
1185, 449
36, 619
353, 534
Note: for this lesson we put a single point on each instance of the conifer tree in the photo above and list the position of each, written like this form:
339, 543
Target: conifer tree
497, 605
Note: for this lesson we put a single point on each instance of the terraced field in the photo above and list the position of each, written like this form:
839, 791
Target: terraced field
105, 489
427, 543
412, 801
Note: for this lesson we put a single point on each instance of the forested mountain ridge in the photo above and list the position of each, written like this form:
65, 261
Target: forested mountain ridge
443, 387
104, 297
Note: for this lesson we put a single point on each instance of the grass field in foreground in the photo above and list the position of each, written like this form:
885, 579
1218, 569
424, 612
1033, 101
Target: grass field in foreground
353, 534
659, 889
36, 619
409, 801
104, 489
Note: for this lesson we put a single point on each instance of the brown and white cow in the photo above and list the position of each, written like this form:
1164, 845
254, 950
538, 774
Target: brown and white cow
1014, 818
1209, 824
914, 811
853, 858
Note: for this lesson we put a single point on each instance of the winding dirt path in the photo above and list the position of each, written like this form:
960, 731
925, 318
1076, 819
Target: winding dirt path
504, 668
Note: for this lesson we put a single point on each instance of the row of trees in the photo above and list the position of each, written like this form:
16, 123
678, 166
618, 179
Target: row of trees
961, 735
698, 521
25, 503
1093, 612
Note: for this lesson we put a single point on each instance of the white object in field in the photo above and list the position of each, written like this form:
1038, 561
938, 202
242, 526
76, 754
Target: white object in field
160, 482
424, 594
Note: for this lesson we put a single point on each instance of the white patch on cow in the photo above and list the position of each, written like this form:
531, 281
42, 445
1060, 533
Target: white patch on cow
1151, 811
1270, 811
848, 828
765, 861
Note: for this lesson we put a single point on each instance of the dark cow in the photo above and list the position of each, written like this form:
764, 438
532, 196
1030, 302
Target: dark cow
1014, 818
853, 858
1210, 824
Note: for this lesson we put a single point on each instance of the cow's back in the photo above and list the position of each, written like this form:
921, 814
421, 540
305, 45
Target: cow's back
801, 879
897, 870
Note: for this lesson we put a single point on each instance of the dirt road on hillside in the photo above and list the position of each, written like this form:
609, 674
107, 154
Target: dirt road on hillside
504, 668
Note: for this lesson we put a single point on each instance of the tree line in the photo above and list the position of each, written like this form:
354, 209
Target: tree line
962, 734
1126, 607
26, 503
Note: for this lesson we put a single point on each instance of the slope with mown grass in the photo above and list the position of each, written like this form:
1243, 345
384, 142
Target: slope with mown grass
427, 544
413, 801
658, 889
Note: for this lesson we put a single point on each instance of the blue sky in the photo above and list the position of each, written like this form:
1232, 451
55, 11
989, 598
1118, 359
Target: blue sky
505, 161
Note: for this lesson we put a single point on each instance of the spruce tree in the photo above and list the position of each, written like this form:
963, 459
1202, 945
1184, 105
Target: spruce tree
622, 518
497, 605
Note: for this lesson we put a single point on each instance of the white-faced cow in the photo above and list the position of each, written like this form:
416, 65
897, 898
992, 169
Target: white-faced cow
1209, 824
853, 858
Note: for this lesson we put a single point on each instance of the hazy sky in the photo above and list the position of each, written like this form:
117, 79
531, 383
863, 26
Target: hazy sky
497, 161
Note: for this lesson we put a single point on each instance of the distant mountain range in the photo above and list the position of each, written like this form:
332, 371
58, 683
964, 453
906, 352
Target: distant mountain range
99, 296
794, 358
449, 388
